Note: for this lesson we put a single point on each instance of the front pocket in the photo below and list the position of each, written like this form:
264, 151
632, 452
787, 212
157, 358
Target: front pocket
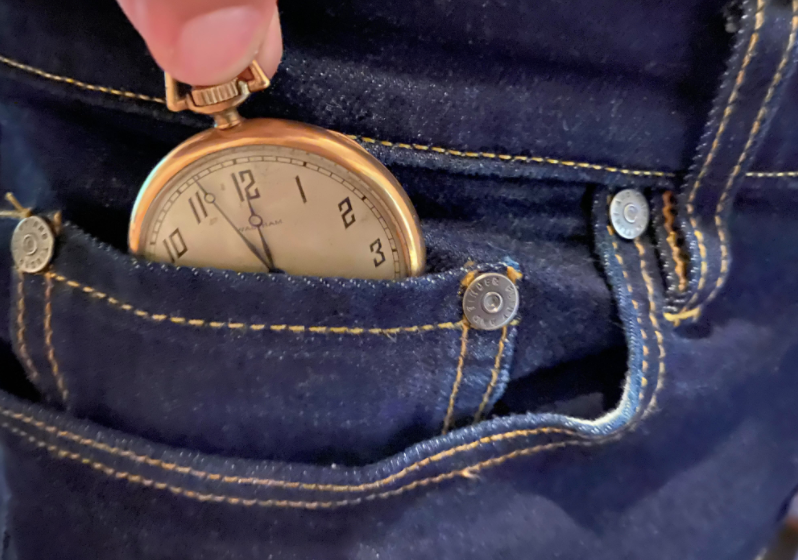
255, 366
54, 453
83, 481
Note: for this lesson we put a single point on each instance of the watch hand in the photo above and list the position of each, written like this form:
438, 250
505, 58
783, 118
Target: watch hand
257, 224
232, 225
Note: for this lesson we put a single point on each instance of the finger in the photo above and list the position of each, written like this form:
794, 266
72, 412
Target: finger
202, 42
271, 50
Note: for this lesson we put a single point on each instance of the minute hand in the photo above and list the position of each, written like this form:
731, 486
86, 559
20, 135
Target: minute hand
266, 252
232, 225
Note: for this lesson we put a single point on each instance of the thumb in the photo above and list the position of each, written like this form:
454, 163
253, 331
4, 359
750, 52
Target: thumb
205, 42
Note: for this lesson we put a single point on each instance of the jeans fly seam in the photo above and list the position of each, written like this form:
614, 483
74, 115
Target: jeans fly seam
466, 472
241, 326
619, 258
23, 347
494, 376
447, 421
678, 262
652, 317
727, 112
754, 132
48, 341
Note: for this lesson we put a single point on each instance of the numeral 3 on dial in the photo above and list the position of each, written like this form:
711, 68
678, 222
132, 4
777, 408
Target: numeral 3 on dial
376, 248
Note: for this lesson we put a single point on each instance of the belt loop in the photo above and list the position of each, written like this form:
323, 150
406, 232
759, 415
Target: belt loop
763, 57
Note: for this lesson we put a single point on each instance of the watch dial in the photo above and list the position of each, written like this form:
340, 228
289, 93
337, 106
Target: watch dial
261, 207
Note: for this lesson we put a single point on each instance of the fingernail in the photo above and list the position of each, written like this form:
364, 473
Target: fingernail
215, 47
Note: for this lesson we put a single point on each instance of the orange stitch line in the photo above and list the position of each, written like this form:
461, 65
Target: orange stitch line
678, 262
494, 376
244, 326
514, 274
447, 422
143, 459
769, 174
652, 317
513, 158
364, 139
23, 349
677, 318
755, 128
759, 20
234, 500
619, 258
466, 473
367, 140
78, 83
48, 340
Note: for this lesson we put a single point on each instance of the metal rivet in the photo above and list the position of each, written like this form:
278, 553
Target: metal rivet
490, 301
629, 213
32, 244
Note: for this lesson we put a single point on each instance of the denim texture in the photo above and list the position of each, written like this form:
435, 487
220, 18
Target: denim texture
150, 411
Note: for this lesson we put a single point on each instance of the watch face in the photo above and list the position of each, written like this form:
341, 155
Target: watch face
268, 207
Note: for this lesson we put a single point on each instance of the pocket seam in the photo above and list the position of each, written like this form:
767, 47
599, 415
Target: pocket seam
48, 340
162, 317
458, 378
33, 372
494, 375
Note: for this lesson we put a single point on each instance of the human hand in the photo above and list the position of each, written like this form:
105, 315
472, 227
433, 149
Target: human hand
206, 42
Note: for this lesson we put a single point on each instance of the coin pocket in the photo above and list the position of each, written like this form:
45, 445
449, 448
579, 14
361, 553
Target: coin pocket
254, 365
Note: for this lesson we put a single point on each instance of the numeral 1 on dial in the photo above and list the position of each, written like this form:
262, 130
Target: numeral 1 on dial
301, 191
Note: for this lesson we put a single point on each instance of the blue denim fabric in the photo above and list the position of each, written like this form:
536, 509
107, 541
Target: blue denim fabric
643, 405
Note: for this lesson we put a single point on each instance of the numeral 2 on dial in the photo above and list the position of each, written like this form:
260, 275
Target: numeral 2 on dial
347, 215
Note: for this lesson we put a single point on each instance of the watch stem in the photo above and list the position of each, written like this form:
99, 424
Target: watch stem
227, 118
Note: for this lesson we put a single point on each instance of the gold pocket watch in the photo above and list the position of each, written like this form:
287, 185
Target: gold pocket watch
266, 195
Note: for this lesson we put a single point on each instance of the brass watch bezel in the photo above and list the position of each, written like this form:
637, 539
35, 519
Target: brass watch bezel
324, 143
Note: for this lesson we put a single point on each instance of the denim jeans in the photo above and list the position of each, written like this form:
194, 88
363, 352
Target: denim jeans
643, 403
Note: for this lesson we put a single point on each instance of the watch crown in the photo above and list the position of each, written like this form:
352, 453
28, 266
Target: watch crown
218, 101
203, 96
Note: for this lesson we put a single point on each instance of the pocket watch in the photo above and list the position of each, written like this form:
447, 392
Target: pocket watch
269, 195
